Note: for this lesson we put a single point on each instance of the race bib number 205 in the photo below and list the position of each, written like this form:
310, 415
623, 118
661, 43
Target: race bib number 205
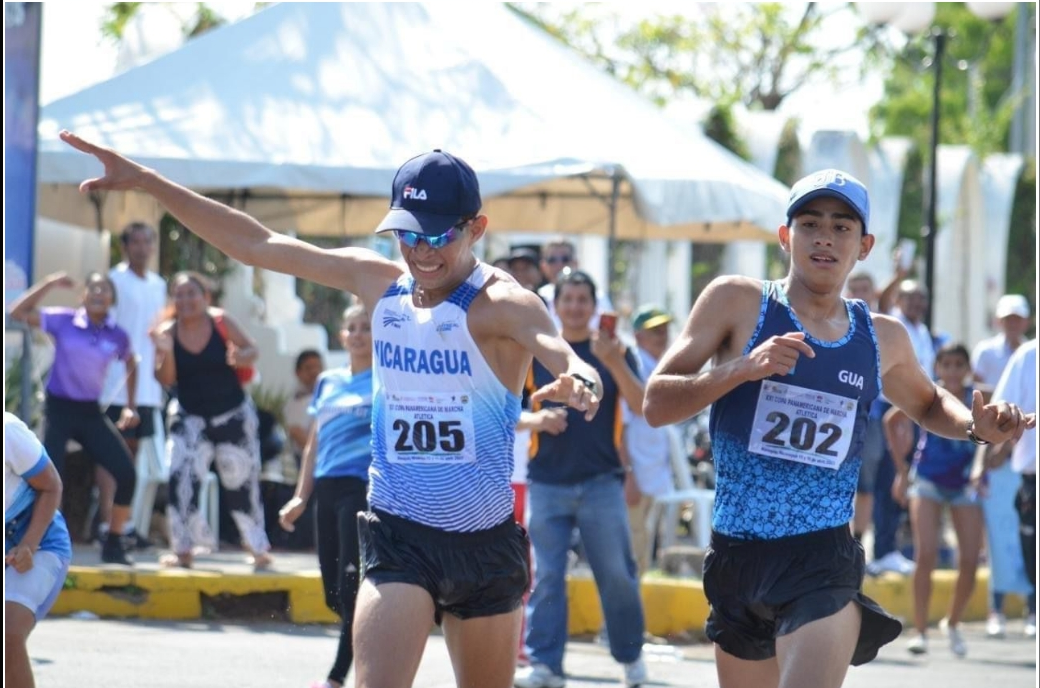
803, 425
429, 427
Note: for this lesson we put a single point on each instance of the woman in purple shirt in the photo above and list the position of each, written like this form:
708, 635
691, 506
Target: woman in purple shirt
86, 341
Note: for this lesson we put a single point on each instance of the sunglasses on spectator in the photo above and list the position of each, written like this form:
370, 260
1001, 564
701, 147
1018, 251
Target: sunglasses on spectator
412, 239
553, 260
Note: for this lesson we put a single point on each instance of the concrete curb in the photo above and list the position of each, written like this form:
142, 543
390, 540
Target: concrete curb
672, 606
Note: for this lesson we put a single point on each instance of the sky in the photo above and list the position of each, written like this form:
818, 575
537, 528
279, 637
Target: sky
74, 56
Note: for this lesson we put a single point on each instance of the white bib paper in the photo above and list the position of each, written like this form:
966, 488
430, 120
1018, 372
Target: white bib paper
429, 427
803, 425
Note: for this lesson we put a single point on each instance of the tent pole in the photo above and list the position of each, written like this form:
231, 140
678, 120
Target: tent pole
615, 193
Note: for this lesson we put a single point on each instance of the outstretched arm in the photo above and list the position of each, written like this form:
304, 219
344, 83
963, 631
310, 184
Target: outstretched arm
360, 271
908, 387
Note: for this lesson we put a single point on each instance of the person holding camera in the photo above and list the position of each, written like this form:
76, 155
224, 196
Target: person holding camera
580, 478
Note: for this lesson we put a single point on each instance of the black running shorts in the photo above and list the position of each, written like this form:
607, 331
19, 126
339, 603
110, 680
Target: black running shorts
760, 590
468, 575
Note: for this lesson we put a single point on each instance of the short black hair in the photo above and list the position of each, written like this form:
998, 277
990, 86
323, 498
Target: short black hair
578, 277
953, 349
302, 357
130, 229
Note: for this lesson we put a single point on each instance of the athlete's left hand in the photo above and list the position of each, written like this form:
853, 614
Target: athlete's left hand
20, 557
999, 422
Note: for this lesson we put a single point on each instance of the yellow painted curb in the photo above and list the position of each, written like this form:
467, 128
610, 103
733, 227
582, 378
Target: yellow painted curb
671, 606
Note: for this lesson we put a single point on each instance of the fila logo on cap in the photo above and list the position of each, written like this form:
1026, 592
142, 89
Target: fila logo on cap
414, 193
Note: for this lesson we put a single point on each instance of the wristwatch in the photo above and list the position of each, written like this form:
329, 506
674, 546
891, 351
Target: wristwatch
589, 384
972, 437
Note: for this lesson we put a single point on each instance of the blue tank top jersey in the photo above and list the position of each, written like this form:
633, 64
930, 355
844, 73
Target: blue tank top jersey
443, 424
786, 448
342, 409
943, 461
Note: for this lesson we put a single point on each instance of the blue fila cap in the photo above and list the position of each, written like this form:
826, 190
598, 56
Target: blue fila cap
831, 184
432, 193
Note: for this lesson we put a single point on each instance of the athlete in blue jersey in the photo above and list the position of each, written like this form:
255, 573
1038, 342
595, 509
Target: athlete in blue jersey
37, 549
335, 470
795, 367
453, 340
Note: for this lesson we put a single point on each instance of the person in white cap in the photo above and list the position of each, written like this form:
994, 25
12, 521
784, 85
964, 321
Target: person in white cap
1006, 568
990, 356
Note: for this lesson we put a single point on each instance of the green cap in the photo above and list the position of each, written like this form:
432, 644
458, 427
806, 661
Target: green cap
649, 316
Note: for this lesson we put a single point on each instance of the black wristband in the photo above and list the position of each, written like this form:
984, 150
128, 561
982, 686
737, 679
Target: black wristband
972, 437
589, 384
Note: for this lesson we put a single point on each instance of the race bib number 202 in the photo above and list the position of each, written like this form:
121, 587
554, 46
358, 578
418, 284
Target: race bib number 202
803, 425
429, 427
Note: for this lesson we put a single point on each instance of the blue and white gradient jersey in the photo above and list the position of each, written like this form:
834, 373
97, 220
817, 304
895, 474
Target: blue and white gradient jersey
442, 422
342, 409
786, 448
25, 457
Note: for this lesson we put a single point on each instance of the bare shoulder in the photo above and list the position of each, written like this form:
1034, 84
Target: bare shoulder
729, 287
503, 299
890, 332
165, 327
727, 302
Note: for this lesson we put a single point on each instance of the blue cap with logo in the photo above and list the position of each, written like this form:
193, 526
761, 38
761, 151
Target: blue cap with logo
432, 193
832, 184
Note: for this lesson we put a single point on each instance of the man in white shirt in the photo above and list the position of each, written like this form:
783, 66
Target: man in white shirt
990, 356
1017, 385
648, 447
988, 360
140, 300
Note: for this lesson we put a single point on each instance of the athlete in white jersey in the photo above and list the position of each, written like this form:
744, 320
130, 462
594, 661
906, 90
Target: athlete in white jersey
449, 561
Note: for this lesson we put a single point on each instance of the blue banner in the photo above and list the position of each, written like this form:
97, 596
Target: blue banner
21, 112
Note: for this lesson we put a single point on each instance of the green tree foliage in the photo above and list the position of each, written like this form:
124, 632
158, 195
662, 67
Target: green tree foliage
976, 103
752, 53
1021, 256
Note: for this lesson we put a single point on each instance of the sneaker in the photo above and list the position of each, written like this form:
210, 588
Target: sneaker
113, 551
918, 645
894, 562
537, 676
136, 541
635, 673
996, 625
1030, 628
957, 645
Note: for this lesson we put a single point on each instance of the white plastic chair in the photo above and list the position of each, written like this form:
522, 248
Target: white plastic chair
152, 471
685, 493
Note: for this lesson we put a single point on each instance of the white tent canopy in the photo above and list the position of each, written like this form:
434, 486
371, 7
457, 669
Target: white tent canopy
301, 113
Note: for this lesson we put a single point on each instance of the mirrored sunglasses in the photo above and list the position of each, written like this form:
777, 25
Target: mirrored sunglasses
412, 239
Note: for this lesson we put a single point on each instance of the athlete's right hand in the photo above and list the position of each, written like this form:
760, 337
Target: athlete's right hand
575, 391
121, 174
288, 514
777, 355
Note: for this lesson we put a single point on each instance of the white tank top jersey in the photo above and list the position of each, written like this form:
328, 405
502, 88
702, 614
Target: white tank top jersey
442, 423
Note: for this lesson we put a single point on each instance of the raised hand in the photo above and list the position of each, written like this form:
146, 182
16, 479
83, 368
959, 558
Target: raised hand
777, 355
1000, 421
121, 174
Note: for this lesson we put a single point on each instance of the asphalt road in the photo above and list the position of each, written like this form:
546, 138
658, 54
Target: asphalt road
85, 653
